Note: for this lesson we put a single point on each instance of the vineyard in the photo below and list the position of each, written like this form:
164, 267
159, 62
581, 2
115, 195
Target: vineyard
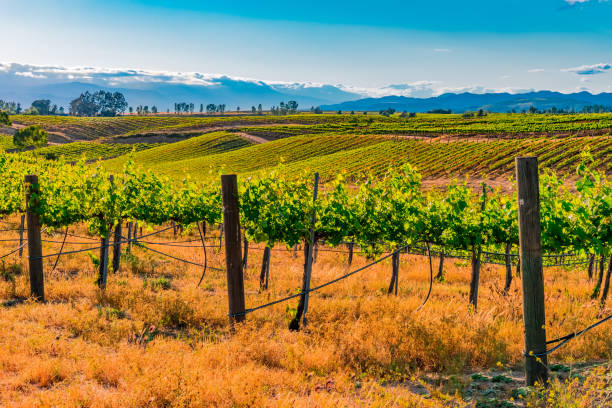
425, 125
384, 213
412, 287
88, 151
358, 155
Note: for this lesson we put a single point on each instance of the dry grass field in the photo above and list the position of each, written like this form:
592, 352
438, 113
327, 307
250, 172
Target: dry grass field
155, 339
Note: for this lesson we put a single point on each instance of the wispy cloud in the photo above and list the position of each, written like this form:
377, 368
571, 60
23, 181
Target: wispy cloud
572, 2
536, 70
589, 69
29, 74
442, 50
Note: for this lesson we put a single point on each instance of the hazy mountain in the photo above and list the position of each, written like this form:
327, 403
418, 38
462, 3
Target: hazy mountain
26, 83
494, 102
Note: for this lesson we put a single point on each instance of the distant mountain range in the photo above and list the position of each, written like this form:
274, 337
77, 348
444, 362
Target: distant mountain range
26, 83
493, 102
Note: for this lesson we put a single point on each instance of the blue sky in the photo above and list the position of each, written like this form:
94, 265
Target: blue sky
420, 47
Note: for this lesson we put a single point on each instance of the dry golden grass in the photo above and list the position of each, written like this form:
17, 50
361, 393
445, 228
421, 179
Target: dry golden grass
154, 339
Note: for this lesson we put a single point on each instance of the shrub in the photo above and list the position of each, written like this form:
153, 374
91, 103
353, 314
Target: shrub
30, 136
4, 119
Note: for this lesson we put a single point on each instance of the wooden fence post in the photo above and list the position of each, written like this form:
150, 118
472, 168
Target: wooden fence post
265, 268
245, 254
394, 273
37, 284
21, 230
530, 243
117, 247
350, 254
135, 233
508, 262
129, 237
233, 252
103, 271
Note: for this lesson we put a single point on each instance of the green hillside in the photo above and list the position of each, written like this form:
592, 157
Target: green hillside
331, 154
199, 147
88, 150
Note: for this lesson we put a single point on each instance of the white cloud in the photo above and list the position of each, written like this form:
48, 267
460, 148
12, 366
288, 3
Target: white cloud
106, 76
29, 74
589, 69
442, 50
536, 70
572, 2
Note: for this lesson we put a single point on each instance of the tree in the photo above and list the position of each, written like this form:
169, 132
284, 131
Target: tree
387, 112
30, 136
292, 107
201, 107
100, 103
318, 110
237, 108
259, 109
253, 109
154, 109
4, 119
42, 106
131, 110
211, 108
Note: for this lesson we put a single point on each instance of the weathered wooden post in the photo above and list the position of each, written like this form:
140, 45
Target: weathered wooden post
264, 275
245, 254
233, 252
129, 237
103, 271
117, 247
21, 230
135, 233
350, 254
531, 269
37, 284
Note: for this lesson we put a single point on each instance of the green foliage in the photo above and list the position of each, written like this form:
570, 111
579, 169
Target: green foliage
4, 119
30, 136
383, 213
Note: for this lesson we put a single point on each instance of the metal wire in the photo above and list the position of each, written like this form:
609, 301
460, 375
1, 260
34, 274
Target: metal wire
568, 337
316, 287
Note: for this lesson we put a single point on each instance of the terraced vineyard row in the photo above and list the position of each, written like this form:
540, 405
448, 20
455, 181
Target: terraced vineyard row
246, 159
89, 150
424, 124
100, 127
356, 155
196, 147
492, 158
